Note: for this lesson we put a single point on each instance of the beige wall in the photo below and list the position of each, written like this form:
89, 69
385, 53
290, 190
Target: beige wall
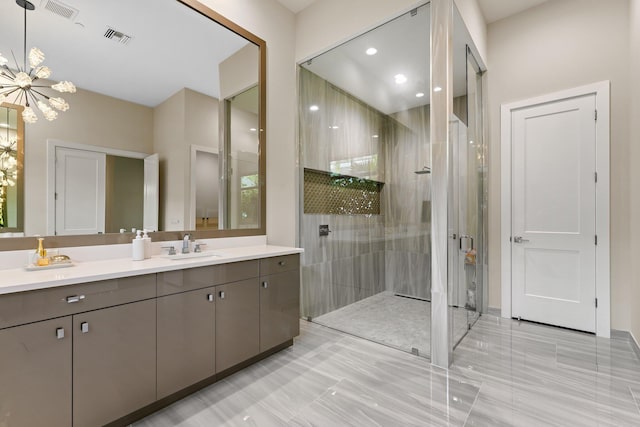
92, 119
558, 45
239, 72
168, 135
634, 159
270, 21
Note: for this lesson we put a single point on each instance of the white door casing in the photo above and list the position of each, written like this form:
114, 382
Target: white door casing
80, 192
151, 204
552, 146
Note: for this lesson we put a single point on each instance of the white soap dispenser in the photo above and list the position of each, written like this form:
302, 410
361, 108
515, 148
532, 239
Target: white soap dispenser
147, 244
138, 247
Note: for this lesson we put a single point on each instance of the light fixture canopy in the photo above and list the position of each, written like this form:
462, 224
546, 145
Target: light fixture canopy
20, 83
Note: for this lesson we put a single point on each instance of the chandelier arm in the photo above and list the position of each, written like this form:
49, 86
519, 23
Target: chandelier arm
40, 93
25, 40
33, 96
10, 75
11, 91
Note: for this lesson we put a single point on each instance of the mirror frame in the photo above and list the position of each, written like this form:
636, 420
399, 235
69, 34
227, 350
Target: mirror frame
23, 243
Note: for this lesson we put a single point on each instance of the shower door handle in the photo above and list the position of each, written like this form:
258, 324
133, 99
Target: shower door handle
464, 236
519, 239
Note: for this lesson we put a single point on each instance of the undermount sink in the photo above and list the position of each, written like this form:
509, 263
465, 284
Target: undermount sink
180, 256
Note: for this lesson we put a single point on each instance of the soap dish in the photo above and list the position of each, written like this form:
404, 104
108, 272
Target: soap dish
33, 267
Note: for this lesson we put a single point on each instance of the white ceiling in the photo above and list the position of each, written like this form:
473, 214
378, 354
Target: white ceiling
403, 48
296, 5
173, 47
494, 10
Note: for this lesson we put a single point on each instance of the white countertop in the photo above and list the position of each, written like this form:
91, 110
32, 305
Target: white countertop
20, 280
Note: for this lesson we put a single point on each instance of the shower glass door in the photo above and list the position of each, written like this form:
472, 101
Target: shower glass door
467, 198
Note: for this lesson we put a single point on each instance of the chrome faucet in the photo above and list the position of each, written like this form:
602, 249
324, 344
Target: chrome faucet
185, 243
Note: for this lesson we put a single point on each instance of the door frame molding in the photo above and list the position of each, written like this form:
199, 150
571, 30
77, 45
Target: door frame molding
601, 90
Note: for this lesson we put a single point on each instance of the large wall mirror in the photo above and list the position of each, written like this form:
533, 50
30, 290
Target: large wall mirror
166, 130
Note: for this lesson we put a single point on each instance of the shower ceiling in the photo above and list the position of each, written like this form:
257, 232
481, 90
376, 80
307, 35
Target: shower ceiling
403, 48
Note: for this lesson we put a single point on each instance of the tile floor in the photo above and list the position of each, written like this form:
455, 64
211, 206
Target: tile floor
505, 373
399, 322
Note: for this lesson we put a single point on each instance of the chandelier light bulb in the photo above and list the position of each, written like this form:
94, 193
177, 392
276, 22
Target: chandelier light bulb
64, 87
36, 57
23, 80
43, 72
29, 116
3, 60
59, 104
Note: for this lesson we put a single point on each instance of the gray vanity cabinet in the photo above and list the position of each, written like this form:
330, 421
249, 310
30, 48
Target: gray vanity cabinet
279, 308
114, 362
237, 322
186, 339
35, 374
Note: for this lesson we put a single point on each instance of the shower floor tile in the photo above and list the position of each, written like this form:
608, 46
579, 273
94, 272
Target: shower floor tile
395, 321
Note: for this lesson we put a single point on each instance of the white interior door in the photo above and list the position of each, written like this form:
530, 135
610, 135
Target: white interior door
553, 212
151, 192
80, 192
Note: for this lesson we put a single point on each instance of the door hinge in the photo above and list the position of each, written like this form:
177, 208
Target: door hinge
596, 116
55, 196
595, 174
596, 302
596, 239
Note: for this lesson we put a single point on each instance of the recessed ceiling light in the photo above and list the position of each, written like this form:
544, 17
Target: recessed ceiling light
334, 127
314, 108
400, 79
375, 136
253, 129
437, 89
419, 95
372, 51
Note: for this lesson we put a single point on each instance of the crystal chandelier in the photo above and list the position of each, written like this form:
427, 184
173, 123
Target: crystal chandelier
8, 161
22, 84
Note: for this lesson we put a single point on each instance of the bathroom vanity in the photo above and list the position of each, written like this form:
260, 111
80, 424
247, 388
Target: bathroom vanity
108, 342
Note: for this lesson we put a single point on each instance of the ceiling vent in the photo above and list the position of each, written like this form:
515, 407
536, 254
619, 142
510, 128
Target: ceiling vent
118, 36
60, 9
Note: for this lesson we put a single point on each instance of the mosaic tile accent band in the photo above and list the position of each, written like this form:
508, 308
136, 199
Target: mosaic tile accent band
327, 193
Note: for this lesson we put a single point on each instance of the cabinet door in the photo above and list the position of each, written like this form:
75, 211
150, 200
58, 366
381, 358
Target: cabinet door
237, 322
279, 308
114, 362
186, 339
35, 374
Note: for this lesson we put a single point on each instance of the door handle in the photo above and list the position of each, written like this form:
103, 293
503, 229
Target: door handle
265, 285
210, 297
84, 327
221, 294
519, 239
465, 237
59, 333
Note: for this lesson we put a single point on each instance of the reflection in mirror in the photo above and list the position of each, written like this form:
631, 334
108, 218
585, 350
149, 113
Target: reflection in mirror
126, 104
11, 172
242, 200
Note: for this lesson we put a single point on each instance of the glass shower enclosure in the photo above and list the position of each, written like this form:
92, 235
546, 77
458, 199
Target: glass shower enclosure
366, 184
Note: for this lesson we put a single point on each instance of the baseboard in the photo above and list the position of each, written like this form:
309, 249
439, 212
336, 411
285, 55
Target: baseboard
627, 336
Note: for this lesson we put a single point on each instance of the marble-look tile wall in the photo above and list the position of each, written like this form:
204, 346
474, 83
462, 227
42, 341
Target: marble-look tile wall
407, 204
364, 254
348, 265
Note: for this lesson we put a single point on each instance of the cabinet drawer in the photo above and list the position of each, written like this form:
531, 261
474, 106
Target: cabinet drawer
279, 264
25, 307
202, 277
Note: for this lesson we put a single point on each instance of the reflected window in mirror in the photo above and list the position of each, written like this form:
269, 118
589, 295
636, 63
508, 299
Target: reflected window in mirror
11, 170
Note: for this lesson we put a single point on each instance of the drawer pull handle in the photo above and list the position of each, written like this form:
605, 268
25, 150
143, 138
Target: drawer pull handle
210, 297
75, 298
281, 263
84, 327
221, 294
265, 285
60, 333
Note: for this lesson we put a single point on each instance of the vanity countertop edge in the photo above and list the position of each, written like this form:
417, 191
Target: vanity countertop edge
21, 280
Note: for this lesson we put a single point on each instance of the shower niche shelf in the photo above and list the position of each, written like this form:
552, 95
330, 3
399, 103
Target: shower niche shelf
337, 194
